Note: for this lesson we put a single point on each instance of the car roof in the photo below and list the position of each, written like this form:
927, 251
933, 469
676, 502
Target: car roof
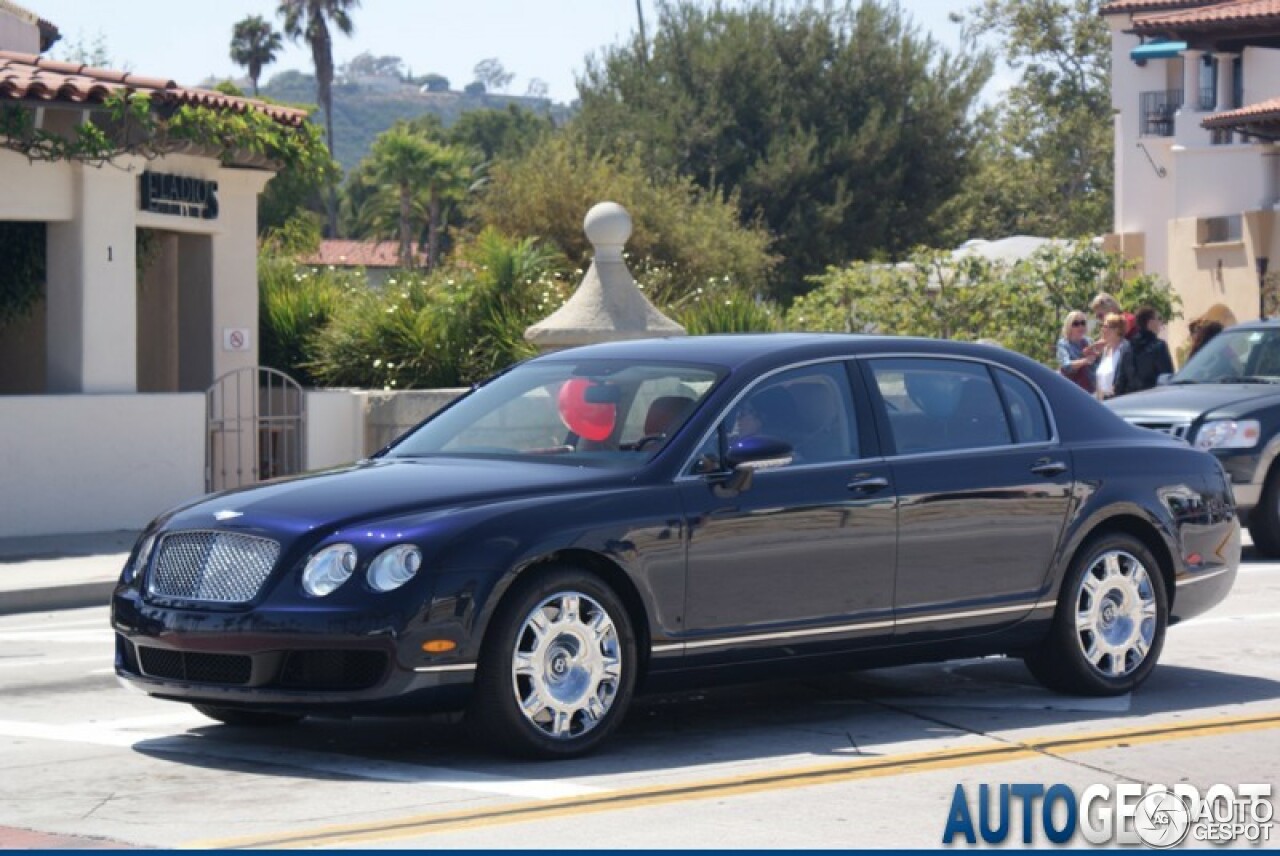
742, 349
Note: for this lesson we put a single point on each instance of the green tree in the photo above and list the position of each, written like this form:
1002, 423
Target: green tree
499, 133
425, 175
309, 21
403, 160
683, 237
254, 45
491, 73
838, 126
1047, 166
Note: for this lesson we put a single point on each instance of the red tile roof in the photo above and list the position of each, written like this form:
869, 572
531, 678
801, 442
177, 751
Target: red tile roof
25, 76
1115, 7
1231, 13
1263, 111
368, 254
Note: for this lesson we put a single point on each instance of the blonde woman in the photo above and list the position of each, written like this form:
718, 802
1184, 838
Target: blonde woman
1114, 345
1075, 355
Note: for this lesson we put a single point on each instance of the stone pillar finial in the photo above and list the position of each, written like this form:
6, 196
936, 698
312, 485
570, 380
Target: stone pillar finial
608, 225
608, 306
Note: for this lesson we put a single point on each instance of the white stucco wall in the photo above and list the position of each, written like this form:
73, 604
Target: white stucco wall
94, 463
1217, 181
334, 428
34, 190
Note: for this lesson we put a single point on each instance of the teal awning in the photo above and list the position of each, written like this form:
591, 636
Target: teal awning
1157, 50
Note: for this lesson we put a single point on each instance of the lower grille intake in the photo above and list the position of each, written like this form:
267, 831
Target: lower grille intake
333, 670
226, 669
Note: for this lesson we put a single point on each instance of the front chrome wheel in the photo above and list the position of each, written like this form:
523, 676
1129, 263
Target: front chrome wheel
1116, 614
566, 668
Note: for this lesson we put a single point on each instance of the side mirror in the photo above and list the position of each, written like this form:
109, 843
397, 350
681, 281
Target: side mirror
1164, 379
749, 454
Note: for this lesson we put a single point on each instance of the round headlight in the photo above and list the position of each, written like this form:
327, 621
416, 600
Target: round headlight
395, 567
328, 568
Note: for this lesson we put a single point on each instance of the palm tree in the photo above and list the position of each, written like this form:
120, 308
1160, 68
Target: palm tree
453, 175
417, 170
308, 21
254, 44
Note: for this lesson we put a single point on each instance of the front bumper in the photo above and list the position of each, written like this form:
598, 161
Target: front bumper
340, 662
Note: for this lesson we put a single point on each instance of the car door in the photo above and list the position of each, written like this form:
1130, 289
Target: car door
803, 560
983, 491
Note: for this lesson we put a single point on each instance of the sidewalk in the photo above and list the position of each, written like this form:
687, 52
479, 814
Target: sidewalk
61, 571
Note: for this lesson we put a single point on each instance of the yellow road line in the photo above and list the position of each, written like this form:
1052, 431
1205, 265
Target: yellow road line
796, 777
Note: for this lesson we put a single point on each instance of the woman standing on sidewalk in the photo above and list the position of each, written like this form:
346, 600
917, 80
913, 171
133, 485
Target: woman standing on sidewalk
1114, 346
1075, 355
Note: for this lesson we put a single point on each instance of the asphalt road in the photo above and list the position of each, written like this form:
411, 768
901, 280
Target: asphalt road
864, 760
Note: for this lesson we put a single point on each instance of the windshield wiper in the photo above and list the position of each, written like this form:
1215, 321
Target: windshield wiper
1247, 379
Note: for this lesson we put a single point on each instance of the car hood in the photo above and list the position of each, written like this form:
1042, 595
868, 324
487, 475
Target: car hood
1185, 402
382, 488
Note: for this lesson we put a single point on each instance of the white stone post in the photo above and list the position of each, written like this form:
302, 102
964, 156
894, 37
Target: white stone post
607, 305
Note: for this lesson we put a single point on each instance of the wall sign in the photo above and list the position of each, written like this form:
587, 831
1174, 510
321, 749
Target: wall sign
236, 339
161, 193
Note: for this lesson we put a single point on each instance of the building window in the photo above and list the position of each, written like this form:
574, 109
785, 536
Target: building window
1221, 136
1220, 230
1237, 83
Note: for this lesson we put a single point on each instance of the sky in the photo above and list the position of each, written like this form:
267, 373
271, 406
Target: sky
187, 40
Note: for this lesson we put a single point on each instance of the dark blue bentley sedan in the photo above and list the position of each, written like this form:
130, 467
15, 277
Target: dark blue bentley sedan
638, 514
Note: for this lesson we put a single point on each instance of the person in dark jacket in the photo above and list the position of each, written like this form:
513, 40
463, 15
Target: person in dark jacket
1147, 357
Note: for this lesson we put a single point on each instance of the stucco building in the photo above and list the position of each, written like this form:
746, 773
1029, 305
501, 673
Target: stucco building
149, 291
1196, 90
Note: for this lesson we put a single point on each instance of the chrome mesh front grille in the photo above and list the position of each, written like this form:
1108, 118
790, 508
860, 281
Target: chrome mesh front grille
217, 567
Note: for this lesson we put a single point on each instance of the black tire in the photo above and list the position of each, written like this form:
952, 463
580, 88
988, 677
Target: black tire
1264, 519
585, 667
248, 718
1121, 594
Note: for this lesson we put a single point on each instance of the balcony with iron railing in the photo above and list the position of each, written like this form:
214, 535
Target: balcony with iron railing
1156, 112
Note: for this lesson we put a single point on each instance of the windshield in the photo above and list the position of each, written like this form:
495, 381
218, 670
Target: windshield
601, 412
1236, 356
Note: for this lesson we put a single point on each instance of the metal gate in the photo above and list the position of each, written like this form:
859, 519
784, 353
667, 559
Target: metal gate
255, 419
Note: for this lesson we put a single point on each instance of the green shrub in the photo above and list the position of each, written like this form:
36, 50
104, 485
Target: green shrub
1019, 305
294, 303
453, 327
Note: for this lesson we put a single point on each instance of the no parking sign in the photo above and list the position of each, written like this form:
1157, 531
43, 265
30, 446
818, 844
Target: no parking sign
236, 339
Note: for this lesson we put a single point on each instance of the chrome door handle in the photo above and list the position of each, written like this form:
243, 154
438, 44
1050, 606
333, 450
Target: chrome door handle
1046, 467
868, 484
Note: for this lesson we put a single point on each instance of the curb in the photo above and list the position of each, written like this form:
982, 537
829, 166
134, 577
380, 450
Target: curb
56, 597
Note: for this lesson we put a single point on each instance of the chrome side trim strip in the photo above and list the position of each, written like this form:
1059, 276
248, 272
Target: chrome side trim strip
974, 613
666, 648
786, 634
1033, 606
1189, 580
456, 667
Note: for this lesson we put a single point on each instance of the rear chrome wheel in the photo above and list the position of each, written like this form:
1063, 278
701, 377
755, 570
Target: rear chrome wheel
558, 666
1115, 614
1110, 621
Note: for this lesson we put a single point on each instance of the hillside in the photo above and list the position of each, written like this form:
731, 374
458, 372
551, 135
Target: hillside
361, 112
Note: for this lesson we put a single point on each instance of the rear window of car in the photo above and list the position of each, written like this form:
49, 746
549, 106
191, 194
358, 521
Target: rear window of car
937, 405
